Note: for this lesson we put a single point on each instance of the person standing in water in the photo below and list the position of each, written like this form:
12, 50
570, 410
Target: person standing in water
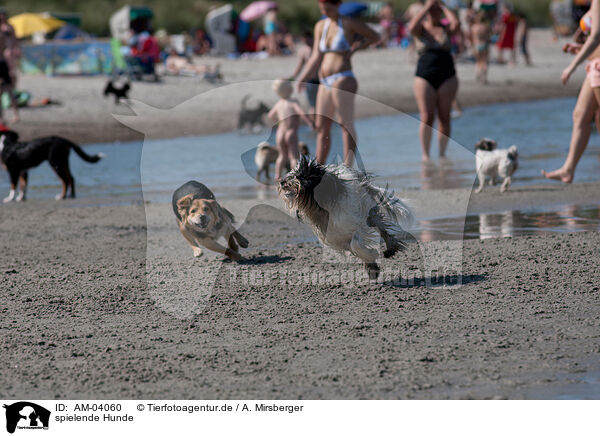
588, 102
336, 41
435, 84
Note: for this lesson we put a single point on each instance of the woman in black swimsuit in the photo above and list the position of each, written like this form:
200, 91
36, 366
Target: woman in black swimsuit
435, 84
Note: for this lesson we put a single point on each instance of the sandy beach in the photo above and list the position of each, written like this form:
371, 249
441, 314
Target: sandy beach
81, 321
385, 76
105, 301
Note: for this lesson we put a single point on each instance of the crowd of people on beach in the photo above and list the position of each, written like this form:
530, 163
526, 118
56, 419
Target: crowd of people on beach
437, 35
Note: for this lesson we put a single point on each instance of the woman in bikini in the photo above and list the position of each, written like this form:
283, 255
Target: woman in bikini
335, 43
588, 101
435, 84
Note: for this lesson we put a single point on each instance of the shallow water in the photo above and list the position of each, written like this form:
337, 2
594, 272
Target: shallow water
558, 219
388, 148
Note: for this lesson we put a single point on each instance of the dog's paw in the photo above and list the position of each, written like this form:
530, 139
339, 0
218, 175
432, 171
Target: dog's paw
7, 200
198, 252
59, 197
372, 270
241, 240
478, 190
234, 255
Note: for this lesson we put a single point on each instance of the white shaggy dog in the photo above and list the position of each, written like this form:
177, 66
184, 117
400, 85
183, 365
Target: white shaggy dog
494, 163
346, 211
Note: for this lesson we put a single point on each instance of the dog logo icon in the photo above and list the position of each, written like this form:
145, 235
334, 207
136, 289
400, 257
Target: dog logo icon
26, 415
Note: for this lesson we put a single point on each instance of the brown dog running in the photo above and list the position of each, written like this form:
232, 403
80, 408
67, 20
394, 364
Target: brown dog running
202, 221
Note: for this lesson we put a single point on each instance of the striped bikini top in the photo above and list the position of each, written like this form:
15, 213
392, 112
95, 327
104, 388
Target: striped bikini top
339, 44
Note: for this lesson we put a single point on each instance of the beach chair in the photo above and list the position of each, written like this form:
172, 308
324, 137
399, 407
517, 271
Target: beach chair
120, 65
130, 66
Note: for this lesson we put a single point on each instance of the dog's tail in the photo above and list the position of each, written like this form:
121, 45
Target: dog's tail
392, 207
82, 154
513, 153
245, 100
391, 217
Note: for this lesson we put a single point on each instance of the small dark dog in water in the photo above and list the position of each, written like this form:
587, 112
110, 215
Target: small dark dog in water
119, 93
18, 157
252, 117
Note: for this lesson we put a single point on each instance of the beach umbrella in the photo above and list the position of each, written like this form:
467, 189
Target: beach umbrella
352, 9
28, 24
256, 10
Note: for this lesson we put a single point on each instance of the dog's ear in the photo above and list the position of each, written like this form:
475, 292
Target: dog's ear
486, 144
183, 204
213, 206
303, 148
11, 135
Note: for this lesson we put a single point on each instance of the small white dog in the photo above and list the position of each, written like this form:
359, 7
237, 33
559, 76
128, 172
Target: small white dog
346, 210
494, 163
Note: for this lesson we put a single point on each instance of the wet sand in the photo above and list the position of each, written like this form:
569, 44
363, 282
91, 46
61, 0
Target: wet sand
80, 317
385, 76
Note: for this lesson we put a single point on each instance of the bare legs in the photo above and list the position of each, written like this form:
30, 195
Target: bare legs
583, 116
339, 99
446, 95
324, 116
482, 67
287, 144
432, 102
426, 100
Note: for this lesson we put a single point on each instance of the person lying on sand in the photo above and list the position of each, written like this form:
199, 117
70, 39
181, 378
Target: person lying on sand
177, 64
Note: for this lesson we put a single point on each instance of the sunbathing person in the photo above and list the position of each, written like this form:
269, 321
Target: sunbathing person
177, 64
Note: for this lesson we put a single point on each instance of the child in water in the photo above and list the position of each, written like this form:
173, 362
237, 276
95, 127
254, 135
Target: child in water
287, 113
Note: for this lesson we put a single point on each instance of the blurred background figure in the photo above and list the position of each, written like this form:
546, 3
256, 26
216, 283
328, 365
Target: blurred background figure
466, 16
523, 32
387, 22
271, 30
180, 65
12, 50
506, 29
7, 55
481, 32
202, 43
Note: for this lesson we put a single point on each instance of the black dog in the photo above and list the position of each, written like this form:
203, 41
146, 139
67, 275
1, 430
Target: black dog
18, 157
119, 93
252, 117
